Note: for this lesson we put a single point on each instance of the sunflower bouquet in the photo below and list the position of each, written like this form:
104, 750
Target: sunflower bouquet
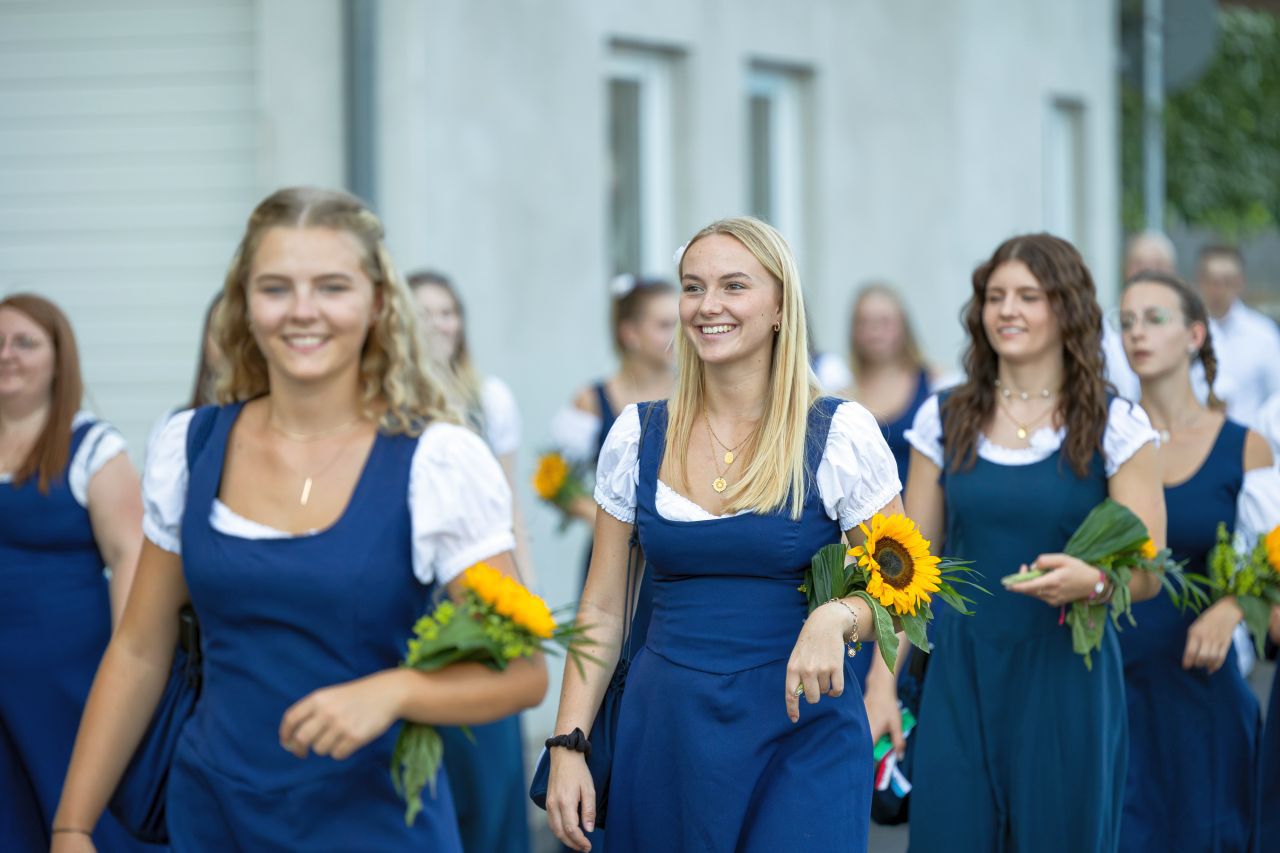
1114, 540
497, 621
1252, 576
896, 575
559, 482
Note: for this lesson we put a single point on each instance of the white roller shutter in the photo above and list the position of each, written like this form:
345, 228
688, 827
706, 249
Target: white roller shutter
128, 164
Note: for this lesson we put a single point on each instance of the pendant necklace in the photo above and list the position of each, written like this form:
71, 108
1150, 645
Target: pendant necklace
304, 497
728, 451
719, 483
1023, 429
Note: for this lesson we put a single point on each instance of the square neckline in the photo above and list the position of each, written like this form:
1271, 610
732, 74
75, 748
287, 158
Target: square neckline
1213, 446
288, 536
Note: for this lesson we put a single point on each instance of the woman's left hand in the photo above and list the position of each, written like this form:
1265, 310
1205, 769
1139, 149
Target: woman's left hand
1066, 579
336, 721
1209, 637
817, 661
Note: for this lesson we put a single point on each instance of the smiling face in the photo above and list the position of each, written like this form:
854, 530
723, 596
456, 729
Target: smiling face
441, 321
1157, 338
26, 357
729, 302
310, 303
1016, 315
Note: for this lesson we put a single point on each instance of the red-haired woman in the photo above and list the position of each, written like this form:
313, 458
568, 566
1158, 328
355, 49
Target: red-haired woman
1021, 748
69, 504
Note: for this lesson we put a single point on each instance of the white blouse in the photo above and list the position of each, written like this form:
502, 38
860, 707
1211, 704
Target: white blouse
501, 416
856, 477
1128, 429
100, 445
575, 433
459, 502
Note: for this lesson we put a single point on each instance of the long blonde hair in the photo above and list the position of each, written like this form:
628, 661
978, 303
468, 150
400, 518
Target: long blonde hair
910, 353
396, 383
774, 478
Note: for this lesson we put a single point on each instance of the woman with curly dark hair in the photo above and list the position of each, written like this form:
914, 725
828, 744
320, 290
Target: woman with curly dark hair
1021, 748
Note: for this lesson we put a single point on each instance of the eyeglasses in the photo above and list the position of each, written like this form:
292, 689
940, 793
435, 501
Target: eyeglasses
24, 343
1151, 318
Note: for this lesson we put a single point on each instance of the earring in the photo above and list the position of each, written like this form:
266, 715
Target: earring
777, 327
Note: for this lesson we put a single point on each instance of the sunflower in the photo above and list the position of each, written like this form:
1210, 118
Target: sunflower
510, 599
1272, 543
549, 479
902, 571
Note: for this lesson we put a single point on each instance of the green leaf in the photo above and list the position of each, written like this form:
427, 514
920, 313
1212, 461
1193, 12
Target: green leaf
915, 629
824, 579
415, 764
886, 637
1257, 617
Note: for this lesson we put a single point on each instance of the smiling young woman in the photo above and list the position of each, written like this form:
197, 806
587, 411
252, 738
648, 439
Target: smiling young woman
69, 504
732, 484
308, 518
1019, 747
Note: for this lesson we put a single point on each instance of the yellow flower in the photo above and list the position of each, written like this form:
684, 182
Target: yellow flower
1148, 550
509, 599
1273, 547
549, 478
902, 571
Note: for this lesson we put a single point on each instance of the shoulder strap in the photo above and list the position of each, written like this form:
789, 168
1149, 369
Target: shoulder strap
198, 431
606, 408
635, 562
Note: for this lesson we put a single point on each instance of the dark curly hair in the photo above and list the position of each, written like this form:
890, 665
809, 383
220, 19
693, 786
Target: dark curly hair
1082, 405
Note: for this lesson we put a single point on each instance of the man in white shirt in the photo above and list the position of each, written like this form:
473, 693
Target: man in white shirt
1150, 250
1246, 342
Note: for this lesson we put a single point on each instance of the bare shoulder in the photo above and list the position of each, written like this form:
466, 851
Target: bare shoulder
1257, 452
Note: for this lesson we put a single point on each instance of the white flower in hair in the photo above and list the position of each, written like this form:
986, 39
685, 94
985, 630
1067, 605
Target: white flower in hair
679, 255
622, 285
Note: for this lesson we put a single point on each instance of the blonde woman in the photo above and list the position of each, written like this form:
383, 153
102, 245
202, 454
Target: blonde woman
733, 485
308, 519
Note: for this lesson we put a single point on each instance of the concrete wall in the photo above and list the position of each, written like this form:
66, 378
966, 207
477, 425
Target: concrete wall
926, 148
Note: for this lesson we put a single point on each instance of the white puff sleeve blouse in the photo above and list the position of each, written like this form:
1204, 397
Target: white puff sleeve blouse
856, 477
459, 501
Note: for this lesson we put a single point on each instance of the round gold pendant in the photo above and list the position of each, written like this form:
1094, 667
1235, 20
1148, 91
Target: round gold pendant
728, 457
719, 484
1022, 433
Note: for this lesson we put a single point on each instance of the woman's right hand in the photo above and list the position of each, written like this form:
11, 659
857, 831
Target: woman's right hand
568, 788
72, 842
883, 714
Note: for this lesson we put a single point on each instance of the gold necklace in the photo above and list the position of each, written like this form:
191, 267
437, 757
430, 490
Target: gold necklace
1024, 429
304, 497
728, 451
719, 483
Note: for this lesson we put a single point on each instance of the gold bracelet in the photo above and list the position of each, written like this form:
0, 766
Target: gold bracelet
852, 640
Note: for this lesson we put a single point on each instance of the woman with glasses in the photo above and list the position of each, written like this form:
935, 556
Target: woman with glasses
1194, 723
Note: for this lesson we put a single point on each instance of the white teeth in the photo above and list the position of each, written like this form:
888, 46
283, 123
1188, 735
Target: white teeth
716, 330
308, 341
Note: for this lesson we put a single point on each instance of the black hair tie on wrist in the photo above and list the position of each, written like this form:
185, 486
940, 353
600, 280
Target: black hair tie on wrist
574, 740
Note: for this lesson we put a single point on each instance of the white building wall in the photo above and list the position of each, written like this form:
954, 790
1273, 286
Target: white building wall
926, 146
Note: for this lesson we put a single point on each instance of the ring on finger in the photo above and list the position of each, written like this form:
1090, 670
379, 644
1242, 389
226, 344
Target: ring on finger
799, 691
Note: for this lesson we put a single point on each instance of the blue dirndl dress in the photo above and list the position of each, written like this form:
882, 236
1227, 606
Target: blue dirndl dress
1269, 789
706, 758
1193, 736
280, 618
55, 622
1021, 748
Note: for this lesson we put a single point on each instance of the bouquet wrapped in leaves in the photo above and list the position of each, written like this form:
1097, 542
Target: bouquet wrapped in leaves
1252, 576
1115, 541
497, 621
896, 575
560, 482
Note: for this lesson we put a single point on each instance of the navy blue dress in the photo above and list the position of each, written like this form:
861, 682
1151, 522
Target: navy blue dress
896, 429
279, 619
1269, 790
55, 621
1193, 736
1021, 748
706, 758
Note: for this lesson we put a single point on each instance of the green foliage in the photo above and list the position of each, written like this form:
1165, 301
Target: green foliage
1249, 577
1222, 135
